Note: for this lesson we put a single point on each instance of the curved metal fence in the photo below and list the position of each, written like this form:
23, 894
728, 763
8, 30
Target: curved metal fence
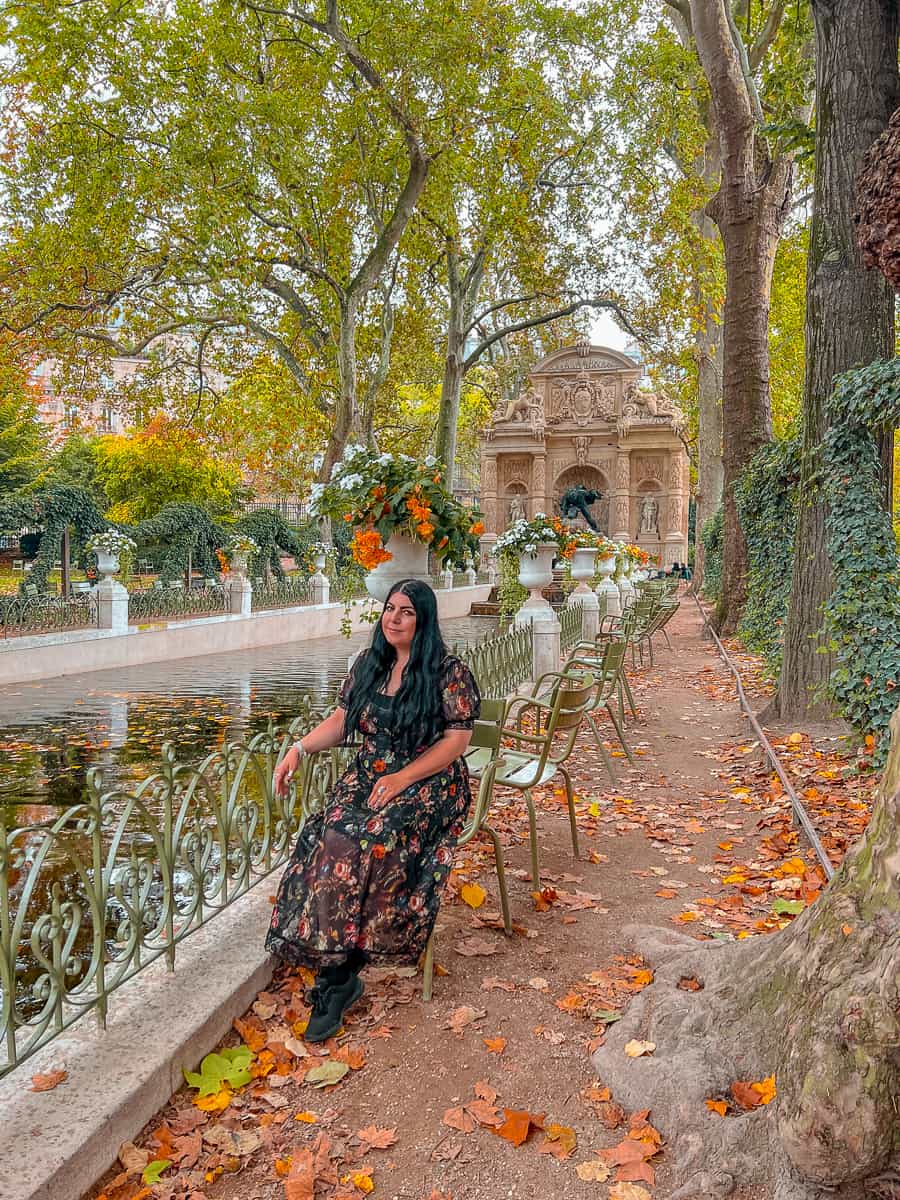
502, 663
154, 603
21, 615
571, 623
109, 885
282, 593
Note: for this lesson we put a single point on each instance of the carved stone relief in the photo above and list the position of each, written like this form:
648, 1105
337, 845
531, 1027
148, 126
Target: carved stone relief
515, 467
540, 476
649, 466
489, 475
623, 471
622, 510
582, 447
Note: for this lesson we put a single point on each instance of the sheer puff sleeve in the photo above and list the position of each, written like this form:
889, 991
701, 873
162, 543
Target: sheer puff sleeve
459, 694
346, 688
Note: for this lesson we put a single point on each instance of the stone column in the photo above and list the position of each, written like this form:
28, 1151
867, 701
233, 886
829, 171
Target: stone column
675, 540
239, 590
320, 587
539, 485
447, 579
620, 506
489, 494
112, 605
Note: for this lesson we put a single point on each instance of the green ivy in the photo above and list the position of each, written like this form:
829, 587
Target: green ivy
510, 593
274, 536
766, 502
54, 509
712, 534
180, 532
862, 615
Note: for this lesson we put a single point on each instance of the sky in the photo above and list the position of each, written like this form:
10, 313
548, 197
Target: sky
605, 332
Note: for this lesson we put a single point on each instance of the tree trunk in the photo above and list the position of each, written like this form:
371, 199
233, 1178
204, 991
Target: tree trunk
817, 1005
464, 291
849, 309
749, 209
710, 469
347, 417
750, 215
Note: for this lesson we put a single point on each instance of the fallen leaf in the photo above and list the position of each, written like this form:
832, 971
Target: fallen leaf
215, 1103
363, 1182
538, 983
133, 1158
636, 1049
495, 1045
718, 1106
745, 1095
458, 1118
765, 1088
377, 1139
473, 947
300, 1183
237, 1142
328, 1073
484, 1112
492, 983
628, 1191
151, 1173
593, 1171
47, 1082
688, 983
460, 1017
484, 1091
518, 1125
308, 1118
472, 894
559, 1140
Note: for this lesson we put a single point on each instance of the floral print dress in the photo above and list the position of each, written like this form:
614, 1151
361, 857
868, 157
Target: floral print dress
367, 879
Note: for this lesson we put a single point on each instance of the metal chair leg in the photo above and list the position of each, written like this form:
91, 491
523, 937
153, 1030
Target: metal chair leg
428, 969
501, 877
607, 761
532, 837
619, 731
631, 703
570, 801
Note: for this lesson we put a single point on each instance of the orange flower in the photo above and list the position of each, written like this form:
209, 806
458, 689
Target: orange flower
379, 764
379, 851
442, 543
367, 549
425, 530
379, 492
477, 528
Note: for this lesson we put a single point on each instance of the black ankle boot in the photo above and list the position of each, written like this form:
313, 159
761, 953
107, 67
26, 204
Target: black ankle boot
330, 1000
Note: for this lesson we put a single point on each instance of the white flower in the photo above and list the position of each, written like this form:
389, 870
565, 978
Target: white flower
385, 459
430, 461
349, 482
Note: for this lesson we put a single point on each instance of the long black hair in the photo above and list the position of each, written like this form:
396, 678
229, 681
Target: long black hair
418, 708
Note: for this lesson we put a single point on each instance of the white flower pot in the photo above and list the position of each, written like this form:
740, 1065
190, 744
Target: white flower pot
626, 587
409, 560
319, 561
107, 562
606, 590
536, 571
238, 562
583, 564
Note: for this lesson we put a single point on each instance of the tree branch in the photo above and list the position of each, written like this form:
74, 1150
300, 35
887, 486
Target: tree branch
544, 319
767, 34
746, 71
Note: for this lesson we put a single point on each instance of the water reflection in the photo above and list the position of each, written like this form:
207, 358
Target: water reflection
52, 732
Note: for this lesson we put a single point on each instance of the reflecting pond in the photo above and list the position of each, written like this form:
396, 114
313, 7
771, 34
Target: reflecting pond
52, 731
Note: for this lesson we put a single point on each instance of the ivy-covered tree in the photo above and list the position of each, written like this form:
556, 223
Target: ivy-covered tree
53, 510
850, 310
182, 537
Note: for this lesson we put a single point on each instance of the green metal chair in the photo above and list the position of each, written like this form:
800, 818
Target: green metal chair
531, 760
484, 750
607, 663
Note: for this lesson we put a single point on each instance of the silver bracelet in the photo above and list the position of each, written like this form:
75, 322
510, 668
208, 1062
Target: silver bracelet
298, 746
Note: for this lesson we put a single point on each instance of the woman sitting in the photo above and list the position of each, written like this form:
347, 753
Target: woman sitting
364, 882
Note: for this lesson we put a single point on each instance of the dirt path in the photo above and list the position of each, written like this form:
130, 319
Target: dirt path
695, 839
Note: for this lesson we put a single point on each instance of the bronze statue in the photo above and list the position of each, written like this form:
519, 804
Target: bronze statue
576, 501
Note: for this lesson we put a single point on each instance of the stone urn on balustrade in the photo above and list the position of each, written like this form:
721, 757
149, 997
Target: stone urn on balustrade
583, 568
607, 592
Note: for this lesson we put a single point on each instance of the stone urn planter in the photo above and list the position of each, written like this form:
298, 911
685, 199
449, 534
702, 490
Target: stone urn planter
583, 566
626, 587
238, 563
320, 561
536, 572
107, 563
409, 560
607, 592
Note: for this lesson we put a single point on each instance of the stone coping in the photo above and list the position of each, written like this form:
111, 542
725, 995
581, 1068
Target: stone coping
55, 1145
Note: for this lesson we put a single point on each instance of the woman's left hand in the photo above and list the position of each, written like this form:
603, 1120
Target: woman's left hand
385, 789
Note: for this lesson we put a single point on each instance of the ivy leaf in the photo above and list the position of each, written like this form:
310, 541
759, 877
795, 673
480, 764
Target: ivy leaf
153, 1170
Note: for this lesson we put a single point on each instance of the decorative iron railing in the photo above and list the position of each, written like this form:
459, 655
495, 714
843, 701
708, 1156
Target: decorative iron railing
112, 884
282, 593
46, 614
571, 623
174, 601
502, 663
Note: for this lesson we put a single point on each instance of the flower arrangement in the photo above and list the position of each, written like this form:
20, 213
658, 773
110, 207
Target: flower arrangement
523, 537
241, 543
590, 540
319, 550
638, 556
110, 541
383, 494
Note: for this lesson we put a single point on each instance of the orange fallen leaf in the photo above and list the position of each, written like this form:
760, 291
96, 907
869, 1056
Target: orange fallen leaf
308, 1118
846, 930
458, 1118
472, 894
484, 1112
689, 916
559, 1140
518, 1125
643, 977
377, 1139
628, 1191
745, 1095
666, 893
637, 1049
484, 1091
718, 1106
688, 983
765, 1088
48, 1081
495, 1045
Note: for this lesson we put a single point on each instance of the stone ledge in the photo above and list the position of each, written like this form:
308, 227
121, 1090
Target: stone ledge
54, 1145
